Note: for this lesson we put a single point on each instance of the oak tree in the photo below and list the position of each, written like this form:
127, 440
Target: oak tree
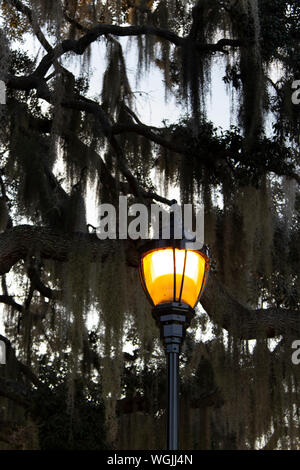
70, 301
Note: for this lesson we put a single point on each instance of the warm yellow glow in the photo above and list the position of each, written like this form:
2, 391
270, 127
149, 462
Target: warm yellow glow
159, 275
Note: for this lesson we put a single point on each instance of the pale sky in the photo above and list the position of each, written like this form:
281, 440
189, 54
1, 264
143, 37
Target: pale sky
151, 103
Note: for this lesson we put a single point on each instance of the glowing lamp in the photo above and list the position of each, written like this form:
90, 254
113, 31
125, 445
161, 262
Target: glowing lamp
171, 273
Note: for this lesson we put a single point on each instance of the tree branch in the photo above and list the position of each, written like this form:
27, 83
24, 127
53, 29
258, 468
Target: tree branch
243, 322
38, 284
24, 240
9, 300
145, 131
80, 45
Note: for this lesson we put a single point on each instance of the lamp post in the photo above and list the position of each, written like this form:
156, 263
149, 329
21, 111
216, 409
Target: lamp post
173, 277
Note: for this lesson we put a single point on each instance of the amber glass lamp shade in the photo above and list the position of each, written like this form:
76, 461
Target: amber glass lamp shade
173, 274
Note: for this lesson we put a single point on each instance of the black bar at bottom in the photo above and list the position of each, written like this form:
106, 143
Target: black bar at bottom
172, 423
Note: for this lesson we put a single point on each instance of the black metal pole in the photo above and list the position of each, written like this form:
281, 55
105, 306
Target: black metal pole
173, 319
173, 392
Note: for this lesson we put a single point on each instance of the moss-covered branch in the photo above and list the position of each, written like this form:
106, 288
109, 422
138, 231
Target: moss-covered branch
243, 322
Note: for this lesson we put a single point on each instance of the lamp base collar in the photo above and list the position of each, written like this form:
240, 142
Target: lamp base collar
173, 319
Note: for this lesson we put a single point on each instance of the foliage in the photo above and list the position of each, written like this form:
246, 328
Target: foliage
63, 143
62, 428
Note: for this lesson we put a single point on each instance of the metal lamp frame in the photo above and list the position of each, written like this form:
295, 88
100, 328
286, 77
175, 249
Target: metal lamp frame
156, 245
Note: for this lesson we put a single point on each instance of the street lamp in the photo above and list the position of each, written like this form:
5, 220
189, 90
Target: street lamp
173, 277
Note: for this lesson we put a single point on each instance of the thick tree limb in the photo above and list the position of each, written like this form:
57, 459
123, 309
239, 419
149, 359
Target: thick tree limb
146, 131
25, 240
9, 300
244, 322
80, 45
20, 242
30, 82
